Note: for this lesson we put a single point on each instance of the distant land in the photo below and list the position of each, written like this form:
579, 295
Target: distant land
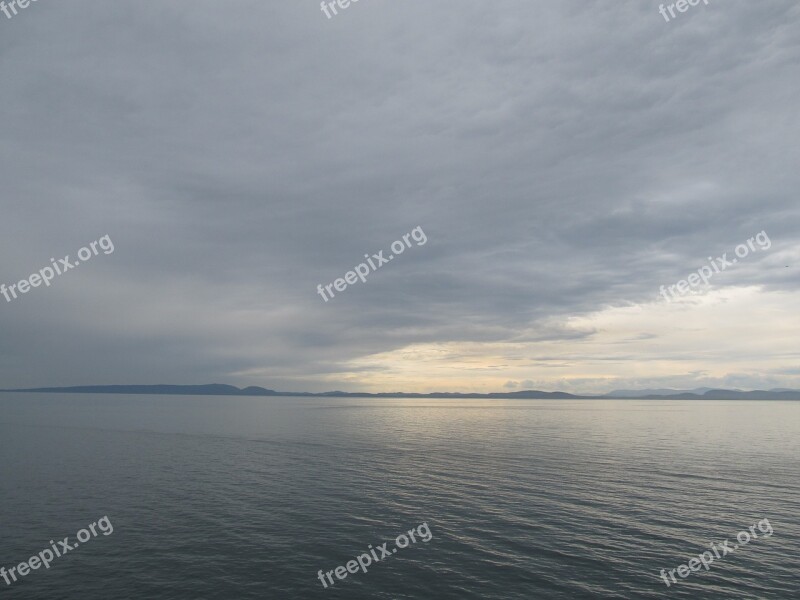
218, 389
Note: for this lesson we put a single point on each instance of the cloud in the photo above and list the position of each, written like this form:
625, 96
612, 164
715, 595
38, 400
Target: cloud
564, 160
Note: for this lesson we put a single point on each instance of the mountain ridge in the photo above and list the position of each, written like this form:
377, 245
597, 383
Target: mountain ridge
219, 389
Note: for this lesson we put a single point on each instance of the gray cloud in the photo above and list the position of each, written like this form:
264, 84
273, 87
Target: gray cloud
564, 159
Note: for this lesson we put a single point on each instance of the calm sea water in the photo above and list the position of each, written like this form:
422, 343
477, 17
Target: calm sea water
220, 497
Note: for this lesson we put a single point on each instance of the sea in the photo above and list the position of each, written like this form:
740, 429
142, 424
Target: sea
279, 497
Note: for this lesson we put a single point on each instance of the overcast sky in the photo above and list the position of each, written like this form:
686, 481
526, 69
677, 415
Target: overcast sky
564, 159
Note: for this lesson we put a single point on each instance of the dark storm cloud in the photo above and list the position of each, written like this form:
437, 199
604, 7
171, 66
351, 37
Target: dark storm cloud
561, 158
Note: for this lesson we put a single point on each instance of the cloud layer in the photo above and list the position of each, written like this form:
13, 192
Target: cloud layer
564, 159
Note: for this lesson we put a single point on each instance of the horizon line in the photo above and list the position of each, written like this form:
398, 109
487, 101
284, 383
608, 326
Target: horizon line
223, 389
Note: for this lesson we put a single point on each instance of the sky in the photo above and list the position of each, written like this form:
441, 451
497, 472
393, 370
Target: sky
564, 160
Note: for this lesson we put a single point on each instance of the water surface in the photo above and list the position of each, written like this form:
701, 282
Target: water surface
231, 497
